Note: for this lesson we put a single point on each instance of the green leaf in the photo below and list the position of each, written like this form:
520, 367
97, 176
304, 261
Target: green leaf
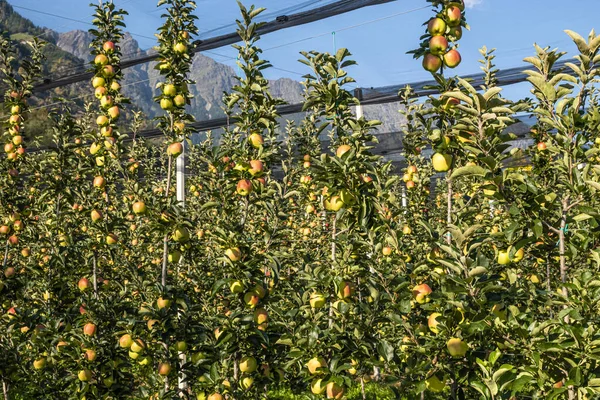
469, 171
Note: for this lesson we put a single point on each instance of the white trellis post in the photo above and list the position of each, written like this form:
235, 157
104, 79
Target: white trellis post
180, 183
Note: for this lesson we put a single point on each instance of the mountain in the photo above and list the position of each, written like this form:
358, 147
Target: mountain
69, 53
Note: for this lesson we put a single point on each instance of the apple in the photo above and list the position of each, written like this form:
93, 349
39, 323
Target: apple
456, 347
180, 48
166, 104
432, 322
247, 382
256, 140
251, 299
163, 303
345, 290
25, 252
89, 329
236, 286
181, 346
334, 391
102, 120
17, 140
133, 355
90, 355
248, 365
40, 363
317, 386
114, 112
125, 341
100, 92
139, 207
164, 369
453, 15
108, 71
503, 257
432, 63
343, 149
175, 149
436, 26
84, 375
179, 101
108, 47
434, 384
151, 323
310, 209
541, 146
256, 167
215, 396
438, 45
169, 90
83, 284
137, 346
234, 254
181, 234
317, 300
174, 256
106, 101
314, 364
98, 82
519, 254
244, 187
452, 58
101, 60
13, 240
386, 251
441, 162
335, 203
260, 291
96, 215
111, 239
9, 148
146, 360
456, 32
4, 229
421, 293
261, 316
115, 86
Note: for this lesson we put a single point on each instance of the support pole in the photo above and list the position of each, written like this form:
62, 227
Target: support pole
180, 183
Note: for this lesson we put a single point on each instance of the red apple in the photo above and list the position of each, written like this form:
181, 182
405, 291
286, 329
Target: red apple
244, 187
438, 45
453, 15
452, 58
432, 63
108, 47
83, 284
175, 149
89, 329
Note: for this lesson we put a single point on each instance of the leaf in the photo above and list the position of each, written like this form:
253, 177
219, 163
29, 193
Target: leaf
579, 41
593, 184
469, 171
477, 271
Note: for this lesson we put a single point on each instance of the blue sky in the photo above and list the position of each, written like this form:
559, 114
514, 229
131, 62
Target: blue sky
379, 47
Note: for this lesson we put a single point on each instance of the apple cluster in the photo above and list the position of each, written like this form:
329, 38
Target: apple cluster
14, 148
442, 30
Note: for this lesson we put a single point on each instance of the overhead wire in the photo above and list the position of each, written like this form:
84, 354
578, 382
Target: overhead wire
337, 8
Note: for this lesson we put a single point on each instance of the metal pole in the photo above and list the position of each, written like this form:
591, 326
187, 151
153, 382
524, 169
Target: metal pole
359, 107
180, 183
